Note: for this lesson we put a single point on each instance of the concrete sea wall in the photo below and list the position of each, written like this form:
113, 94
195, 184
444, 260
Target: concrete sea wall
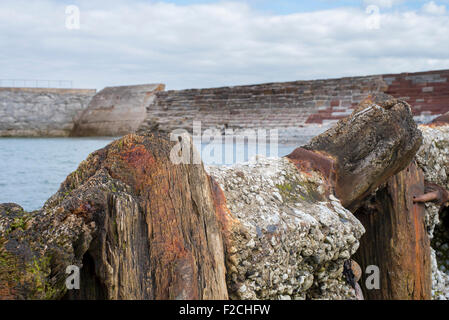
41, 111
116, 111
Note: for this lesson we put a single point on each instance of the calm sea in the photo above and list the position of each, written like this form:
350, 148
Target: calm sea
32, 169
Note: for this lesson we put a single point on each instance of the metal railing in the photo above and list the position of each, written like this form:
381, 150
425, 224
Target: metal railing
34, 83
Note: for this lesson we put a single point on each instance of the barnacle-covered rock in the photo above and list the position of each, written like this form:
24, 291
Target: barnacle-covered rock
289, 239
433, 158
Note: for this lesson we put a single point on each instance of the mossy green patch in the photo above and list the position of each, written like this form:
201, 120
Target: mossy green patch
294, 190
9, 271
19, 222
441, 144
39, 268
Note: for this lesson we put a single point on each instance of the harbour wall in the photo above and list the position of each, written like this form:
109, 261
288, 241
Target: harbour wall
296, 109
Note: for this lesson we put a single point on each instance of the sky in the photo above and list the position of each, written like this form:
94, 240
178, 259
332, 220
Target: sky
205, 43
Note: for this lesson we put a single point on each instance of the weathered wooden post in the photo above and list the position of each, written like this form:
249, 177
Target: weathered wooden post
396, 239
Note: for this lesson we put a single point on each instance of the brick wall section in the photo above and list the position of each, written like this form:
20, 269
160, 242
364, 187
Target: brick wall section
426, 92
295, 105
271, 105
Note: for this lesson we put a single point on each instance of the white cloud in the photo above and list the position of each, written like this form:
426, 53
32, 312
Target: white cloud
382, 3
433, 8
211, 44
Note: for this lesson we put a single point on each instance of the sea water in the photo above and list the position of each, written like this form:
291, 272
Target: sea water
32, 169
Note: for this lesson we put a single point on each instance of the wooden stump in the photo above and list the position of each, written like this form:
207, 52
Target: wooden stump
376, 142
396, 239
138, 226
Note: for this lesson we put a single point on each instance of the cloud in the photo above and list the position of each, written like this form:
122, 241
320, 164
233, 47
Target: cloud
432, 8
204, 45
383, 3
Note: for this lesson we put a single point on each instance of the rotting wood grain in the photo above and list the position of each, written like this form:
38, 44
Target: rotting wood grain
396, 239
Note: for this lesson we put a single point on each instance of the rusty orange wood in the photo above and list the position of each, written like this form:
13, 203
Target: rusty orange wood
396, 239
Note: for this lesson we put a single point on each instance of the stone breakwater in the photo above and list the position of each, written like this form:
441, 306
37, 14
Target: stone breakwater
297, 109
41, 112
116, 111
